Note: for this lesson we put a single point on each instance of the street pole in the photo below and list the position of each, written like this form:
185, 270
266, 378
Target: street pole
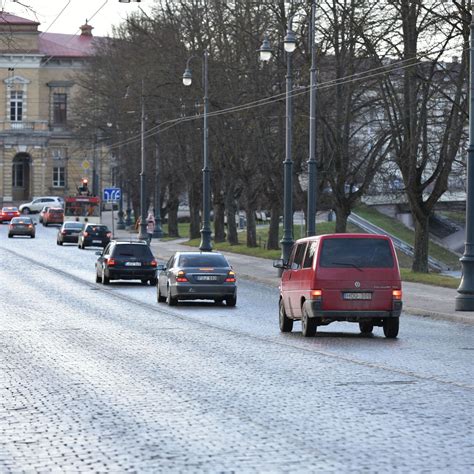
142, 232
158, 232
287, 240
465, 298
312, 170
206, 245
95, 184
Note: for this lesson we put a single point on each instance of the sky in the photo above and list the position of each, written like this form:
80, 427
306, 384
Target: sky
75, 13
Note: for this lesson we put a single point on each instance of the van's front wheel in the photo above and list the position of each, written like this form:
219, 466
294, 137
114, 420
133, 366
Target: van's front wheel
390, 327
308, 325
286, 324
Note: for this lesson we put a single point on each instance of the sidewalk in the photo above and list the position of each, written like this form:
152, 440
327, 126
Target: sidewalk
418, 299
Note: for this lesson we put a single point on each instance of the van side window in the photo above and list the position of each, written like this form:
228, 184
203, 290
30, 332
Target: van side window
298, 257
308, 259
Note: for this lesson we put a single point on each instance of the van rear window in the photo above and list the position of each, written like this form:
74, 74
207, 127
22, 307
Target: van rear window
357, 253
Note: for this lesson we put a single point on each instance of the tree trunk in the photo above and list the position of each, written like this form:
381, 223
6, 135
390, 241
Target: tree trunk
173, 204
219, 213
273, 231
232, 236
251, 227
422, 238
194, 208
342, 212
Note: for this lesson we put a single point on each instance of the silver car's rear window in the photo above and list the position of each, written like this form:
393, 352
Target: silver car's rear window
204, 260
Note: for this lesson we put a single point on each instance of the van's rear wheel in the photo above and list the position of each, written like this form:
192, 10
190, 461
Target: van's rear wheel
286, 324
390, 327
366, 327
308, 325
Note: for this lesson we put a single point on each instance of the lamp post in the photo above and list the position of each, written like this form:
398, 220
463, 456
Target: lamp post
265, 55
142, 232
312, 169
205, 245
465, 298
158, 232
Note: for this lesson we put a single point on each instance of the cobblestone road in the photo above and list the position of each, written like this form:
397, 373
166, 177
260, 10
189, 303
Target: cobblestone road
91, 380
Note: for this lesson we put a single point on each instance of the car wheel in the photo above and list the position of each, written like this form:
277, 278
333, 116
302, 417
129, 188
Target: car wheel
390, 327
218, 300
286, 324
98, 278
153, 281
308, 325
231, 300
159, 297
26, 210
10, 236
105, 279
32, 236
366, 327
170, 300
144, 281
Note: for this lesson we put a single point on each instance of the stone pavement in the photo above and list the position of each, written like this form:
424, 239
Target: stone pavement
418, 299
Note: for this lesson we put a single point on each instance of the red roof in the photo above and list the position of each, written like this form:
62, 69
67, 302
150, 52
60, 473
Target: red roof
63, 45
15, 20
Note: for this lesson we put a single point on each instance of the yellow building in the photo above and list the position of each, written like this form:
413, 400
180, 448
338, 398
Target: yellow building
39, 155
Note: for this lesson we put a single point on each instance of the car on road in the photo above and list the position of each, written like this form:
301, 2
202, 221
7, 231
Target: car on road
8, 213
196, 276
69, 232
54, 215
42, 213
36, 205
22, 226
126, 260
341, 277
94, 235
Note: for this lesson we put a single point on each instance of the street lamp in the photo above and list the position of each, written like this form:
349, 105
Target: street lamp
142, 233
465, 298
265, 55
206, 244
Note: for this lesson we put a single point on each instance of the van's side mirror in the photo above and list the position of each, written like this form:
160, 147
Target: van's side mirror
280, 263
161, 267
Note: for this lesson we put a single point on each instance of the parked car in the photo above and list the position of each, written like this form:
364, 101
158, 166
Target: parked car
37, 204
8, 213
69, 232
341, 277
21, 226
126, 260
42, 213
54, 215
196, 276
95, 235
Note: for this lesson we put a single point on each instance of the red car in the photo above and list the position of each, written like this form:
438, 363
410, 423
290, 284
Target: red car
341, 277
54, 215
8, 213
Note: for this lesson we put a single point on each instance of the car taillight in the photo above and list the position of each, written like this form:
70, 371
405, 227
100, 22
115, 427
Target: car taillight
397, 294
30, 226
63, 232
316, 294
110, 262
109, 234
153, 263
230, 277
85, 234
181, 277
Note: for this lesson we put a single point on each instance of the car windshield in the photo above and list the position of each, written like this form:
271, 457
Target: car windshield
133, 250
202, 260
73, 225
21, 220
356, 253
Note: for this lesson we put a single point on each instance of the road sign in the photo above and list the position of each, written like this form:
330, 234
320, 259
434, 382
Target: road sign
85, 165
112, 194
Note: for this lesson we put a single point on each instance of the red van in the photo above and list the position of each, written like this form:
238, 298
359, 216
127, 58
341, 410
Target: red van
341, 277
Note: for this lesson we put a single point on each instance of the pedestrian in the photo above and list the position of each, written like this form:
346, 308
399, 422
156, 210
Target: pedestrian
150, 226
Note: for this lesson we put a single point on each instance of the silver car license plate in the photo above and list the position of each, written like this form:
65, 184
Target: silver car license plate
97, 241
133, 264
206, 277
357, 296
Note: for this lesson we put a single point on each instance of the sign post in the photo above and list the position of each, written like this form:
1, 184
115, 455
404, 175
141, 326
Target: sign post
112, 195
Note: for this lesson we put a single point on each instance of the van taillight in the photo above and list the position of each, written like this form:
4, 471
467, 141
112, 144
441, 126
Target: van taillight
397, 294
316, 294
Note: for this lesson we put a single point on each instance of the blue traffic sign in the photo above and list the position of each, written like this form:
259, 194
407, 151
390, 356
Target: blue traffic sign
112, 194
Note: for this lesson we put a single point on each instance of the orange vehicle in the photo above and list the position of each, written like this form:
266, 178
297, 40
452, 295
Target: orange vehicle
82, 209
54, 215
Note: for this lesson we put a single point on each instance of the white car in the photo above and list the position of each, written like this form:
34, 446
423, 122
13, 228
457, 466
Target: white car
37, 204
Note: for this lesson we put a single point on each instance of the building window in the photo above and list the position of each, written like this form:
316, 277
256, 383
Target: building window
59, 109
17, 175
16, 106
59, 177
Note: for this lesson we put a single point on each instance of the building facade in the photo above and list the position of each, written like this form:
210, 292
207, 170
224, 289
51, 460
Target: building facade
39, 153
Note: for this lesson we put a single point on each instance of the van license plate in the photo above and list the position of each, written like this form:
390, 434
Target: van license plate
357, 296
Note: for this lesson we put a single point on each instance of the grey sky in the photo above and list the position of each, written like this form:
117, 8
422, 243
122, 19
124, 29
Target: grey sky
75, 13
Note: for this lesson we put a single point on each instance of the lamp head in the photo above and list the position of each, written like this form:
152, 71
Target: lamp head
187, 77
265, 50
290, 41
